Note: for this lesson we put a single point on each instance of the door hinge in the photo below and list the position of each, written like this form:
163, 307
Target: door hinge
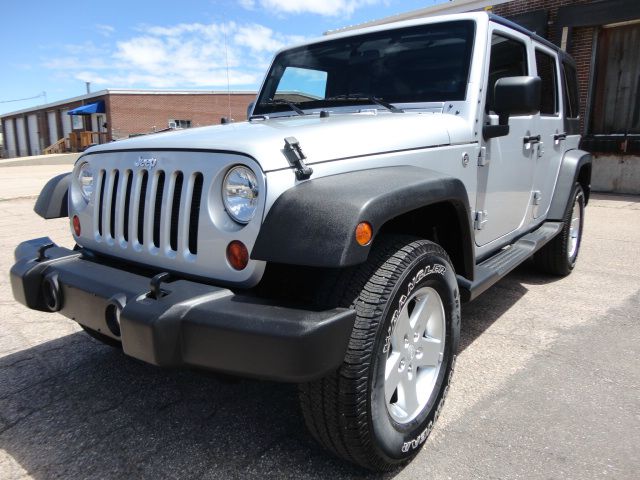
296, 158
483, 158
537, 197
480, 219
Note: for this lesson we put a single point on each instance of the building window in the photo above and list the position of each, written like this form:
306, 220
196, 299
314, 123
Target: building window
179, 123
546, 65
508, 59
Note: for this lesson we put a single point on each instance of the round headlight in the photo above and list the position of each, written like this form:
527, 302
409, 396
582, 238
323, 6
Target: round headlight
240, 193
85, 180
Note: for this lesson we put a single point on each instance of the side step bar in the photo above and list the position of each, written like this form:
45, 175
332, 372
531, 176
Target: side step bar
504, 261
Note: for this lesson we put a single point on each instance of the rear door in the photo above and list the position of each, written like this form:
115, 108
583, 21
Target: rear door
550, 126
505, 181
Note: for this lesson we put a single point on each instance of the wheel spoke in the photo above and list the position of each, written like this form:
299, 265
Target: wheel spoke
430, 355
423, 311
392, 375
409, 396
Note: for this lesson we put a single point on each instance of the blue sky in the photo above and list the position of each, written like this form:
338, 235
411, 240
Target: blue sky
55, 46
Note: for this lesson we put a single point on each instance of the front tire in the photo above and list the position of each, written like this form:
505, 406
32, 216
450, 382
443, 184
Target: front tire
381, 404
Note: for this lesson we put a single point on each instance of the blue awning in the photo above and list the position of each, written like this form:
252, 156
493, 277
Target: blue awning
97, 107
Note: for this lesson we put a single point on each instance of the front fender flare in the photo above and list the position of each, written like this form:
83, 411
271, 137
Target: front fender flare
313, 223
53, 199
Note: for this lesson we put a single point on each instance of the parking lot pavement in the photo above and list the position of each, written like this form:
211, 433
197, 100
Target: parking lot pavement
547, 385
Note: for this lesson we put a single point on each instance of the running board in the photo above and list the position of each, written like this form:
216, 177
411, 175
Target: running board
499, 265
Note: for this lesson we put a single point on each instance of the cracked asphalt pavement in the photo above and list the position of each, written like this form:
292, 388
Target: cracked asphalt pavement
547, 382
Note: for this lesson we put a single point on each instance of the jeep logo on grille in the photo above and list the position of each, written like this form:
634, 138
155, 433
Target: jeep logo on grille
146, 162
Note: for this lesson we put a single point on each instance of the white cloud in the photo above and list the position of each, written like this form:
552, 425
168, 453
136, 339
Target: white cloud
331, 8
104, 30
186, 55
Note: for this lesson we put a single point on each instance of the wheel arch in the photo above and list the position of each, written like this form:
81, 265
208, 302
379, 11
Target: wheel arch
313, 223
575, 167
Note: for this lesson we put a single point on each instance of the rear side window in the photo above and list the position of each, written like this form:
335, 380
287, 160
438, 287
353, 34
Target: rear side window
546, 65
508, 59
570, 90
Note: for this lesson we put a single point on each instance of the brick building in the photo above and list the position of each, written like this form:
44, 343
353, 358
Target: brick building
106, 115
603, 36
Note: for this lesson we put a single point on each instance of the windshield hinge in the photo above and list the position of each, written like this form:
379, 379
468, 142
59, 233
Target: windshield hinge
296, 158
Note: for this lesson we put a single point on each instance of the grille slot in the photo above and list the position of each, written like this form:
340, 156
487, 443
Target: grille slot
175, 212
114, 200
194, 214
149, 209
127, 205
143, 198
100, 208
157, 209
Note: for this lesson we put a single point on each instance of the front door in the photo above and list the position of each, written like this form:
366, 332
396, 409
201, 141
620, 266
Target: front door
505, 181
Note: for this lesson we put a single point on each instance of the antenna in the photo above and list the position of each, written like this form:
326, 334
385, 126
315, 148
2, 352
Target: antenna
226, 59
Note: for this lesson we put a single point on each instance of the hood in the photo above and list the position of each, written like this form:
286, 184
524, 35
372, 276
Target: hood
321, 139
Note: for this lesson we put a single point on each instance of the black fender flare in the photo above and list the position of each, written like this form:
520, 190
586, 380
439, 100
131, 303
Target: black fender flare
53, 201
572, 164
313, 224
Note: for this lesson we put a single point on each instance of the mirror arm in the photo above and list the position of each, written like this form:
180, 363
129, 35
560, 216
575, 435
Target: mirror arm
500, 130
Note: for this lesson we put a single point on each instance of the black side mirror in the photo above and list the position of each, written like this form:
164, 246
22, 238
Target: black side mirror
513, 96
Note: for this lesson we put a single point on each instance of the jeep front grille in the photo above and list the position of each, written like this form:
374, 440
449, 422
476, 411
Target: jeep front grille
158, 210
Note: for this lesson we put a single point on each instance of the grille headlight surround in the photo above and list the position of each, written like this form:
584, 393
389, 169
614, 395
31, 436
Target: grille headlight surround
240, 193
85, 180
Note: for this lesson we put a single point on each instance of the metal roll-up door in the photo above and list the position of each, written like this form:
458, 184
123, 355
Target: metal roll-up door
34, 134
53, 127
22, 137
10, 138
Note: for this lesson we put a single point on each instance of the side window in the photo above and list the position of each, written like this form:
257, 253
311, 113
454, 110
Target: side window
508, 59
546, 65
570, 88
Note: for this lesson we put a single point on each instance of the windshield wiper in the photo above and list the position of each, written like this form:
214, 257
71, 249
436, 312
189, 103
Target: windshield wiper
362, 96
282, 101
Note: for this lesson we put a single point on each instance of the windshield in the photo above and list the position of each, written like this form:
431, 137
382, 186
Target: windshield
425, 63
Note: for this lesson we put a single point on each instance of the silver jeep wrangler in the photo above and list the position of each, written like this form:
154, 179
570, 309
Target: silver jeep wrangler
384, 176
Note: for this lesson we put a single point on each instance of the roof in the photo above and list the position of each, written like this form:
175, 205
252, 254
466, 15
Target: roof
454, 6
118, 91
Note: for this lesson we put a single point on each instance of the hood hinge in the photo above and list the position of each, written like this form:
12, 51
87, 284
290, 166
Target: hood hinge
296, 158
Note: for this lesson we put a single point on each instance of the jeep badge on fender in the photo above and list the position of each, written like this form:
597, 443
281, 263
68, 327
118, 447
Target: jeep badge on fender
384, 177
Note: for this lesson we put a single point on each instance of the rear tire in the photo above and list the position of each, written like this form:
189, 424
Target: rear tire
379, 407
559, 256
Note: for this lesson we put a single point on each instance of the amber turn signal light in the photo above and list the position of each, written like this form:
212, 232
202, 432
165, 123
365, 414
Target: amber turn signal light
364, 233
76, 225
237, 255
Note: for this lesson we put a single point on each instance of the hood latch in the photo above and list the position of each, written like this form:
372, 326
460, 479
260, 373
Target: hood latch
296, 158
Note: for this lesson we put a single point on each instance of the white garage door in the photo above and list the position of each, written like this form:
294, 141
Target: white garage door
66, 123
10, 138
22, 137
53, 127
34, 134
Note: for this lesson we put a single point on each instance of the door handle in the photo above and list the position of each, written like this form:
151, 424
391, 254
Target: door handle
558, 137
532, 139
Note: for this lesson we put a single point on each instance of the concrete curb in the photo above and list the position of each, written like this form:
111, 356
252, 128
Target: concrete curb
54, 159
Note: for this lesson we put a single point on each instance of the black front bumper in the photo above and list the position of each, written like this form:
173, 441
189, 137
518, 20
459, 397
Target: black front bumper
190, 324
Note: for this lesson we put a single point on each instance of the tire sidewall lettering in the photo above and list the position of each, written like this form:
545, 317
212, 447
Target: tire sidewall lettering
402, 441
